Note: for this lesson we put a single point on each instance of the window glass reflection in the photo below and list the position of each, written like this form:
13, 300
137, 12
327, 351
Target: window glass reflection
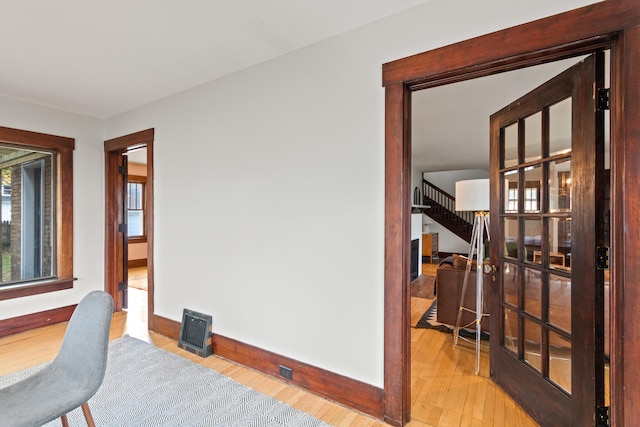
560, 186
533, 240
511, 191
560, 361
532, 177
560, 243
560, 302
533, 293
560, 128
510, 147
533, 343
511, 283
533, 137
510, 337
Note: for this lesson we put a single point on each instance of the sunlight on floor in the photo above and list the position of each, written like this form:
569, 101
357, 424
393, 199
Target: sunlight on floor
136, 323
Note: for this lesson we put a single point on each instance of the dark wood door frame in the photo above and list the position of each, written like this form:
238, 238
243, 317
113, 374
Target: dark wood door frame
612, 23
114, 197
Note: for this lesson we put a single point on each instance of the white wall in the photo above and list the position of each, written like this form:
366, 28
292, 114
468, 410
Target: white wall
88, 191
280, 236
279, 233
416, 181
269, 209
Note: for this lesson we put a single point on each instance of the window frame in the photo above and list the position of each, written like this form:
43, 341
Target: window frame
139, 179
62, 150
533, 203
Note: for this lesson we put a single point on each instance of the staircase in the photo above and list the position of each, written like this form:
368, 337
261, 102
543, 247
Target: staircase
443, 211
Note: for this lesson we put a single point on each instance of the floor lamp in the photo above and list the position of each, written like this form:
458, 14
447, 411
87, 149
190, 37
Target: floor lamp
473, 195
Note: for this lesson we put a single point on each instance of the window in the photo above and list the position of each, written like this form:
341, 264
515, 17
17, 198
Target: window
136, 224
512, 199
531, 199
36, 181
27, 218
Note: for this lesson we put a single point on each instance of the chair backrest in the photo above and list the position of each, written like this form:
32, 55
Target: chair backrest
82, 359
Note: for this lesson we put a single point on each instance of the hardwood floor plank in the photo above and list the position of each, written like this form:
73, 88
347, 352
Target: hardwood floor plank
488, 416
445, 390
480, 398
469, 404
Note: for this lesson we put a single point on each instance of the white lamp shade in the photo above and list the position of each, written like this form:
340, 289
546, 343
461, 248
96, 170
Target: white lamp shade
472, 195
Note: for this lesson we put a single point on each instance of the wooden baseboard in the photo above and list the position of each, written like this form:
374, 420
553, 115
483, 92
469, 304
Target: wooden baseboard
168, 328
338, 388
135, 263
35, 320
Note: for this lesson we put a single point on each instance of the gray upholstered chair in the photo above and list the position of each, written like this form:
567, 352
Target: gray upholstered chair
72, 377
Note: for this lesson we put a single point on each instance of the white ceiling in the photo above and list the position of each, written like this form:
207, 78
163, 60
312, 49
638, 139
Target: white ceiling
102, 58
450, 124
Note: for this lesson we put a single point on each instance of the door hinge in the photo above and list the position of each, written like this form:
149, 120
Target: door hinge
602, 416
602, 257
122, 170
122, 286
603, 99
122, 228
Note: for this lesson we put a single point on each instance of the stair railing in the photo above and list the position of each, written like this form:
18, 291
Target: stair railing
441, 200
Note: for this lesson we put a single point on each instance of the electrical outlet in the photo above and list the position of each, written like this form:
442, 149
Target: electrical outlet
286, 372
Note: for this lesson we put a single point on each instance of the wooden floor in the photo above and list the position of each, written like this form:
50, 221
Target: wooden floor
445, 391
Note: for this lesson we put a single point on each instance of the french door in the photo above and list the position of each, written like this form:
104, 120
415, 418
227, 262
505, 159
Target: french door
116, 264
547, 222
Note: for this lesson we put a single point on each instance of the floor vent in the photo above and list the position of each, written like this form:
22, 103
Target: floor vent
195, 333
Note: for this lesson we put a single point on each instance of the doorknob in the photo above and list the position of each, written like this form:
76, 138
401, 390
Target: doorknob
489, 268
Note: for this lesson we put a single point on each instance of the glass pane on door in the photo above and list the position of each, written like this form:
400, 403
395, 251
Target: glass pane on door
560, 361
560, 128
510, 154
533, 137
560, 186
532, 182
560, 302
536, 288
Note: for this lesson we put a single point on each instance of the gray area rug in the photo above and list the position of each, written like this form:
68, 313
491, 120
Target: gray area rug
147, 386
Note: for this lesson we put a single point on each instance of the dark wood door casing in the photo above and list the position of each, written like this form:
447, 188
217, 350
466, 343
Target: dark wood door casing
611, 23
397, 255
114, 199
625, 228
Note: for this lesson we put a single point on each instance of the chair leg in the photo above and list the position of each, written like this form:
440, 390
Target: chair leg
87, 414
64, 421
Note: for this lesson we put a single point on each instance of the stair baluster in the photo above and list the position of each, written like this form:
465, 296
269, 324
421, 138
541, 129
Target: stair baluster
443, 211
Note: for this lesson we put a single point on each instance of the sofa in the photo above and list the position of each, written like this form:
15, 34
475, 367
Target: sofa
449, 279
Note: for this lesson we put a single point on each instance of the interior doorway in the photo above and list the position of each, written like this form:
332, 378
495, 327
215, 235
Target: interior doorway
429, 105
129, 224
611, 24
136, 244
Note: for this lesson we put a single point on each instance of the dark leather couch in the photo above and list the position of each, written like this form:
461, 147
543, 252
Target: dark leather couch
449, 288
